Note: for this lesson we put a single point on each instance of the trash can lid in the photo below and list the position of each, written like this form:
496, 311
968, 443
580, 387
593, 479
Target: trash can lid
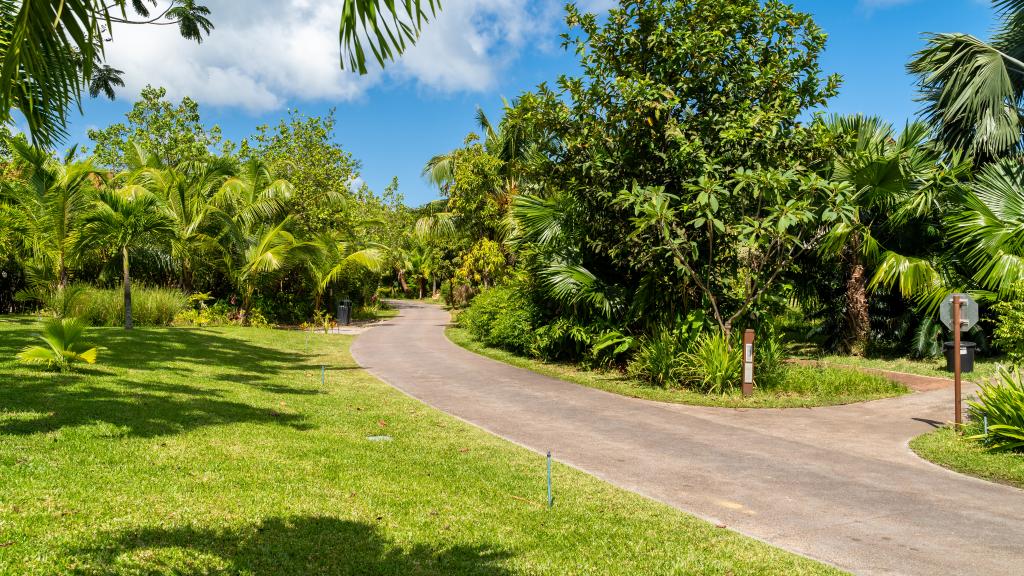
963, 343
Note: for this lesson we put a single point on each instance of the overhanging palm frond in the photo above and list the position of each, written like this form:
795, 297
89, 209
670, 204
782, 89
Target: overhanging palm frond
386, 27
991, 226
971, 93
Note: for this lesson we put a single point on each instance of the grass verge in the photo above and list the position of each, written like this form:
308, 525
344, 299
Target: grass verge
219, 451
983, 367
805, 386
950, 450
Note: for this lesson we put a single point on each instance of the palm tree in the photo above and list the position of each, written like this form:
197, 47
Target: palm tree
53, 197
53, 52
973, 90
253, 252
125, 220
885, 176
333, 257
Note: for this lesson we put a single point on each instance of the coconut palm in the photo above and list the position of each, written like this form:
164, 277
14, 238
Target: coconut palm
125, 220
252, 252
332, 257
53, 197
973, 90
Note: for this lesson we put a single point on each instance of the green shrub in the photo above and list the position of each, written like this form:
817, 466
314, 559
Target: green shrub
1009, 331
659, 360
714, 364
502, 317
1002, 402
62, 348
150, 306
769, 358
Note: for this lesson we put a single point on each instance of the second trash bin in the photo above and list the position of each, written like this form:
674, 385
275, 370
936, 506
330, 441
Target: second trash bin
344, 313
966, 355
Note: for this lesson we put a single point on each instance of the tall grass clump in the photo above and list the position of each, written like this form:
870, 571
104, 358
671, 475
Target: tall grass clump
1001, 403
150, 306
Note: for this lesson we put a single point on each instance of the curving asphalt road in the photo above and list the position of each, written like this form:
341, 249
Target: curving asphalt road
837, 484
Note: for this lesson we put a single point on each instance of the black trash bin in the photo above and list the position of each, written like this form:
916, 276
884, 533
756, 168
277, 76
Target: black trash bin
966, 355
344, 312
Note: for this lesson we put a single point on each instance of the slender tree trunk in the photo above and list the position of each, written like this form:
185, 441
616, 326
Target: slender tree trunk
401, 281
433, 288
127, 290
858, 322
423, 285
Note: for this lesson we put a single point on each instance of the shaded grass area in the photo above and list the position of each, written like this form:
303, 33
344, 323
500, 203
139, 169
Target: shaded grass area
804, 387
219, 451
983, 367
961, 454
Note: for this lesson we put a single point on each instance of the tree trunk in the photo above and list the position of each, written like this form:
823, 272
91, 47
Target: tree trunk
423, 285
858, 322
433, 289
401, 281
127, 290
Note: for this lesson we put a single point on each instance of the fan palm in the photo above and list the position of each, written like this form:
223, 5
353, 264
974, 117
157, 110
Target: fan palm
124, 220
884, 177
63, 348
973, 90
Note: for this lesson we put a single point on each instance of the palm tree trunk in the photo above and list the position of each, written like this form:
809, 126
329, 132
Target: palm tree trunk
423, 283
858, 322
127, 290
401, 280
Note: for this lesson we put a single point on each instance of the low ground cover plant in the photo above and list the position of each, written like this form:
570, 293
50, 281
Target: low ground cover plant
1000, 404
63, 346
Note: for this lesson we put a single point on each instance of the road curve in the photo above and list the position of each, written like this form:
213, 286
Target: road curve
837, 484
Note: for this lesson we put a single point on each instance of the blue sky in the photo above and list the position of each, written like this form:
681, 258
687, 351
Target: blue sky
268, 56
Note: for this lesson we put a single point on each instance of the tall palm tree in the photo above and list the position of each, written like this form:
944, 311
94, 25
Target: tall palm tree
53, 197
124, 220
973, 90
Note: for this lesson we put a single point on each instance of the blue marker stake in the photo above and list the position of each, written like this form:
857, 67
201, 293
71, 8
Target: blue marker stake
551, 498
322, 375
985, 418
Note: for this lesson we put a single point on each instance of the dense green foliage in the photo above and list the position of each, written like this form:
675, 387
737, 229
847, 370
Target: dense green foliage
274, 233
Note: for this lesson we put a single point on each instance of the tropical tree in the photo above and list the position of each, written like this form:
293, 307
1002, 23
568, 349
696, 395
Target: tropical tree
973, 91
333, 257
53, 198
892, 182
123, 221
253, 252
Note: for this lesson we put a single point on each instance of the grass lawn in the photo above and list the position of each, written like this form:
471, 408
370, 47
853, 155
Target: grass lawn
806, 386
983, 367
218, 451
945, 448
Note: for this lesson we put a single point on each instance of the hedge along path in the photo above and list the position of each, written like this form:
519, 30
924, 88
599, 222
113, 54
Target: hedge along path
837, 484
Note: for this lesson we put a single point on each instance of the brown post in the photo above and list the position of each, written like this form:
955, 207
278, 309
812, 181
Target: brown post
956, 360
748, 362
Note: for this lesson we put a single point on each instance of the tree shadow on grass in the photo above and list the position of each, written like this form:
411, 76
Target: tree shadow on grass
142, 403
280, 546
153, 410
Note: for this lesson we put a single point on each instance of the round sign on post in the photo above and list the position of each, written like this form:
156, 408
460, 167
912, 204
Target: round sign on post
968, 311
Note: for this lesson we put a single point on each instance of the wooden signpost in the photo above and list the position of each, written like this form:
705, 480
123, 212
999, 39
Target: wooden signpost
958, 312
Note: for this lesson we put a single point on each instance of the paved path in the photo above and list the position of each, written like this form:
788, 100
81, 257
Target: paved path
837, 484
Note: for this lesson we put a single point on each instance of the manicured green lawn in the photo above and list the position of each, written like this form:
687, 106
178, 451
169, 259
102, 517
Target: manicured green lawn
983, 367
946, 448
218, 451
806, 386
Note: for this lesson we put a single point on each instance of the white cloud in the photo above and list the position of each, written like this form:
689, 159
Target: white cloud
265, 53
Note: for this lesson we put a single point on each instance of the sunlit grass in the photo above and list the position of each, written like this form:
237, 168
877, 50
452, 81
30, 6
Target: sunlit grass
958, 452
219, 451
